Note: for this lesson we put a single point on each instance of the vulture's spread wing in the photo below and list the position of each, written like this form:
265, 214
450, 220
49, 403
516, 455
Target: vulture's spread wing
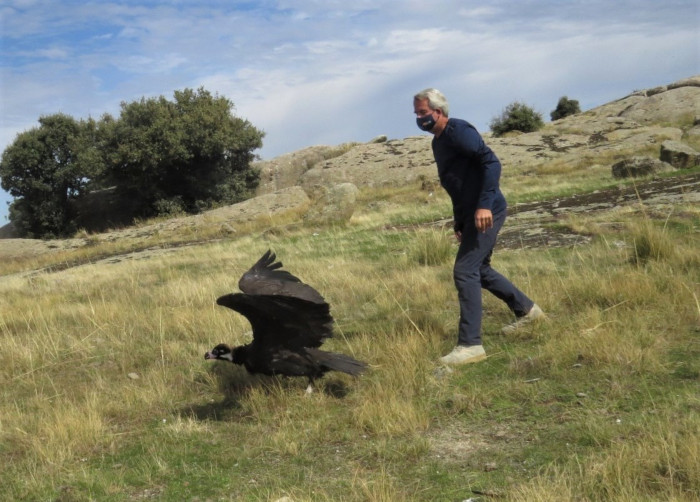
264, 278
282, 321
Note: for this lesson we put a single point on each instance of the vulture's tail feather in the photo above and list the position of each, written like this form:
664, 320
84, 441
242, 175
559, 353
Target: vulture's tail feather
339, 362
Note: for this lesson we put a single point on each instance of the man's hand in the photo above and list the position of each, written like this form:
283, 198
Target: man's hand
483, 219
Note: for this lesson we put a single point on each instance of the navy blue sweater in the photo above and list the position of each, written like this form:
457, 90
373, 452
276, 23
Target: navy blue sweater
469, 171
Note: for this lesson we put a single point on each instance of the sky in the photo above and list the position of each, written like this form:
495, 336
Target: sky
325, 72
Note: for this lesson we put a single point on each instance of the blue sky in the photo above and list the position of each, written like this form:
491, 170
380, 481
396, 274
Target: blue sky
311, 72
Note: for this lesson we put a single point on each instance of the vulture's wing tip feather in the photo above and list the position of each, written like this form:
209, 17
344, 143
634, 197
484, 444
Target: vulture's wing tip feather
266, 278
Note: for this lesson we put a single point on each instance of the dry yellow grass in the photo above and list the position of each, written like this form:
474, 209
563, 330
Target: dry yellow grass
106, 392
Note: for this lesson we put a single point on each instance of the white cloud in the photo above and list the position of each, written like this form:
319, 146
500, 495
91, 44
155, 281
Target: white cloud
52, 53
478, 12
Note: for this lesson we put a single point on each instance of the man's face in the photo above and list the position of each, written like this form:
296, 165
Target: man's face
421, 107
426, 117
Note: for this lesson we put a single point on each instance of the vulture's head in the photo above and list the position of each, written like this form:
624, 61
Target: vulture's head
221, 351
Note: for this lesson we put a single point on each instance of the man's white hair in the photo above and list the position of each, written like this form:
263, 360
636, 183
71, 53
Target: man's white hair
436, 100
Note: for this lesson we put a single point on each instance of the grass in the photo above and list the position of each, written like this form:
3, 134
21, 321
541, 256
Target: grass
106, 396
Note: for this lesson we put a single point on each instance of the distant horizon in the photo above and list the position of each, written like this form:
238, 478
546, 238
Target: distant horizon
308, 74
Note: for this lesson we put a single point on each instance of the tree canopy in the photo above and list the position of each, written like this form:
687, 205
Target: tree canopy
45, 169
160, 156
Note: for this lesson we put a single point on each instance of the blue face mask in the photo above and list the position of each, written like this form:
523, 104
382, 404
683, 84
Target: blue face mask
426, 123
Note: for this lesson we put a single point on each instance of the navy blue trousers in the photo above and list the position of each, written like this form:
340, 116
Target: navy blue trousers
472, 272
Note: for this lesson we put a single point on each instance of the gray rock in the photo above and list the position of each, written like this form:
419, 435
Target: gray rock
285, 171
694, 132
679, 155
656, 90
634, 167
379, 139
693, 81
332, 205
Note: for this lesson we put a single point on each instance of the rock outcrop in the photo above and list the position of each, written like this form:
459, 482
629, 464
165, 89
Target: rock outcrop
286, 170
332, 205
679, 155
635, 167
641, 121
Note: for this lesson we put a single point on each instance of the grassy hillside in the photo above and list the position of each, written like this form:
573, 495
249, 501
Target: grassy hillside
106, 395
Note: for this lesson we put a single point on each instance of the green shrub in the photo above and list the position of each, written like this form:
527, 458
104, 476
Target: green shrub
516, 117
565, 107
169, 207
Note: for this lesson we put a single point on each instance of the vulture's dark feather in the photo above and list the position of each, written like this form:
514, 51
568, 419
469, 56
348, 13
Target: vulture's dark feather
290, 320
264, 278
282, 321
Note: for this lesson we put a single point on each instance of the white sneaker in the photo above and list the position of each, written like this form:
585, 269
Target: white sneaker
464, 355
534, 315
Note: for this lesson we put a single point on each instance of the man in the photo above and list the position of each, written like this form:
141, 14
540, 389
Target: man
469, 171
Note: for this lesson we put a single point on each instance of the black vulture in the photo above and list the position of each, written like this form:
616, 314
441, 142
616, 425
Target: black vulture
290, 320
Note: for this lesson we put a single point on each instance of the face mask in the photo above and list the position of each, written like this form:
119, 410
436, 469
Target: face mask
426, 123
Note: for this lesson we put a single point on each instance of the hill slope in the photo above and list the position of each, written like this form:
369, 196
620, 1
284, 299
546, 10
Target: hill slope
576, 147
630, 124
